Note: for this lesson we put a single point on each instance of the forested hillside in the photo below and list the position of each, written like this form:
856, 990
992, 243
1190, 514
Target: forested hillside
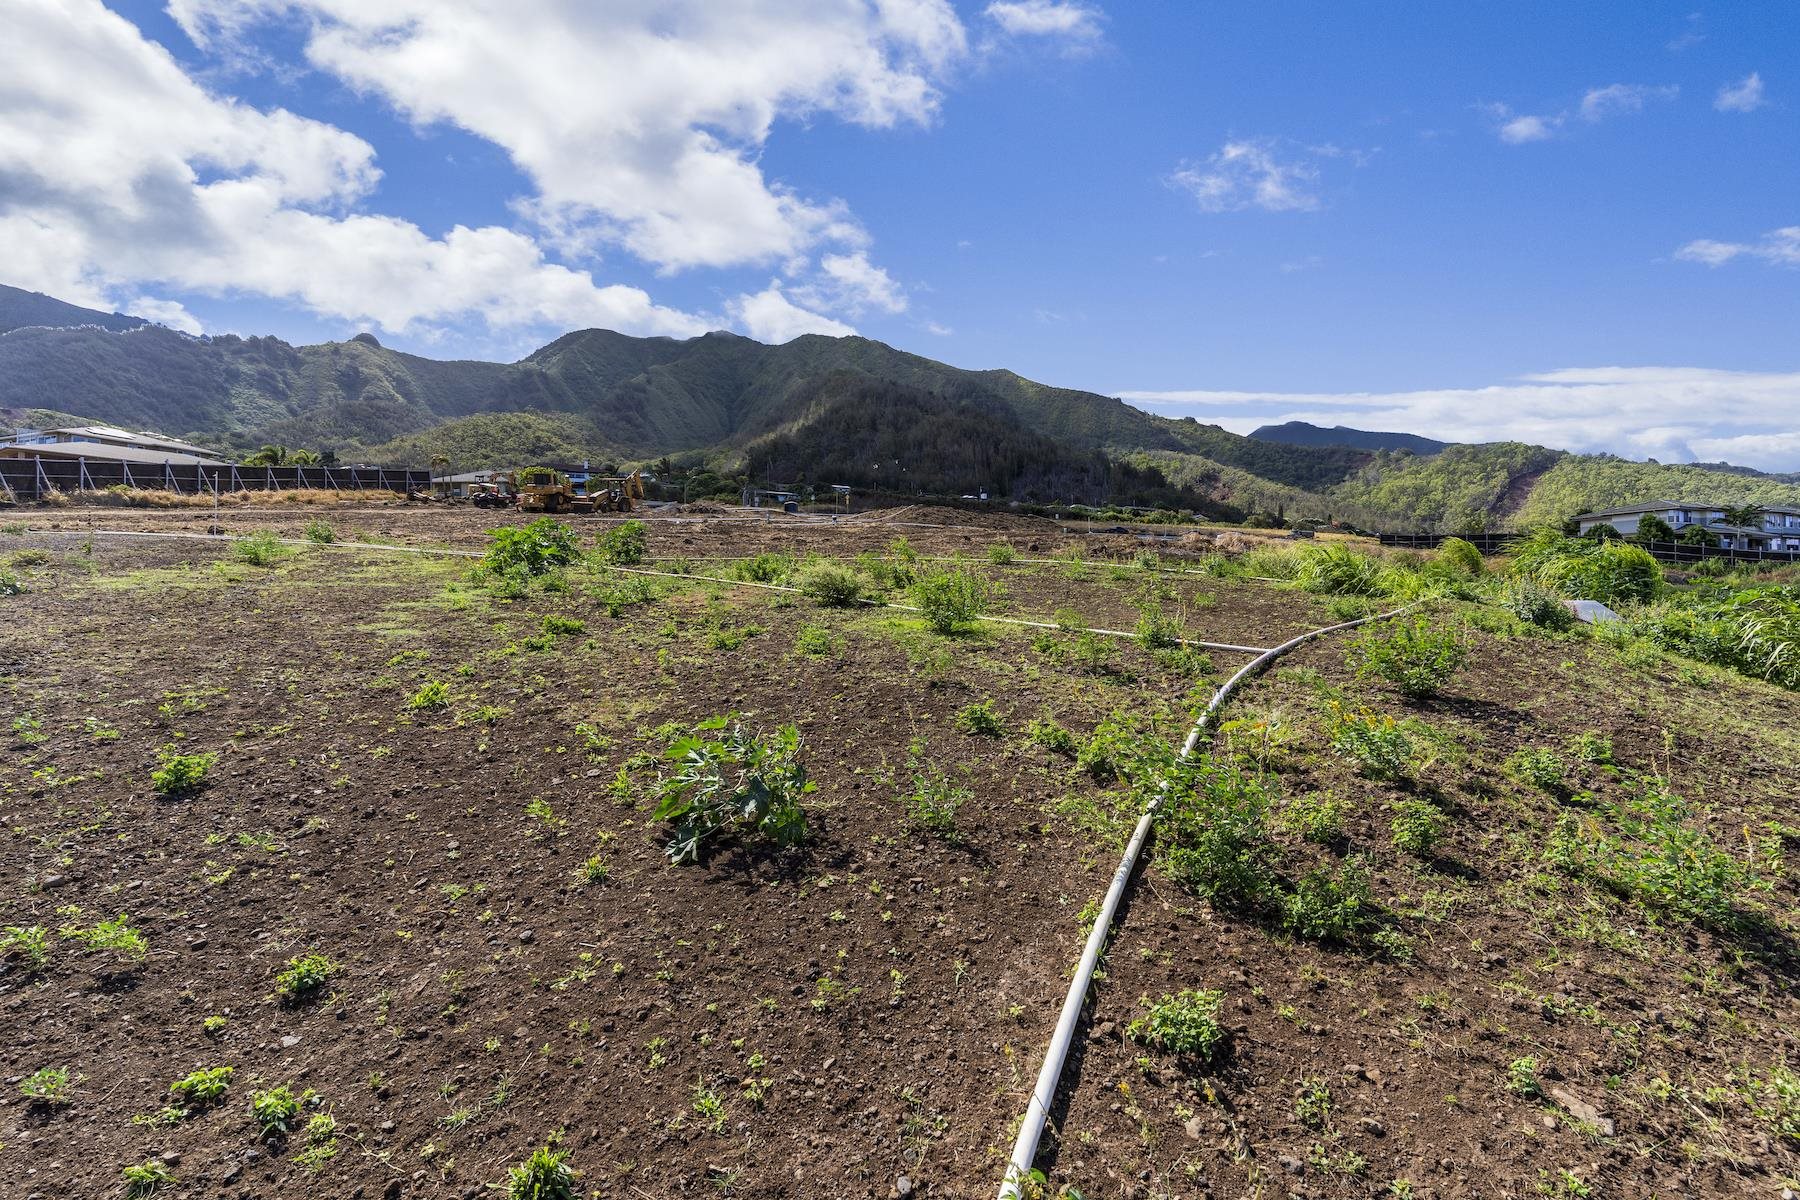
20, 308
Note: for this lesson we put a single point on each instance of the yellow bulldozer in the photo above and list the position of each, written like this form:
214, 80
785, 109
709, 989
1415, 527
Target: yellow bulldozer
547, 490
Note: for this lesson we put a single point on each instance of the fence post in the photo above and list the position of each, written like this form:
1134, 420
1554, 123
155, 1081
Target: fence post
42, 482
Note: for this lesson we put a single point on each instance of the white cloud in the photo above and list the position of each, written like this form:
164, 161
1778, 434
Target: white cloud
639, 123
852, 283
1597, 104
1779, 246
1247, 174
1622, 99
1746, 95
142, 178
1516, 129
769, 316
937, 330
1675, 414
1077, 23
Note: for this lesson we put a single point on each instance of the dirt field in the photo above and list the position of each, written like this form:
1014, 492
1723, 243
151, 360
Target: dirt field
862, 1015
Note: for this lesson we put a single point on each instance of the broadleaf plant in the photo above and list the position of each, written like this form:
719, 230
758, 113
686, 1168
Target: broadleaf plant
727, 775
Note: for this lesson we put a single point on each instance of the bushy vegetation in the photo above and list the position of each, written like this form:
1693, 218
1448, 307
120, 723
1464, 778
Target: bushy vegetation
1611, 572
931, 799
304, 975
1755, 631
546, 1175
1416, 656
1211, 833
178, 774
1330, 906
735, 778
831, 586
951, 600
1186, 1023
530, 551
259, 549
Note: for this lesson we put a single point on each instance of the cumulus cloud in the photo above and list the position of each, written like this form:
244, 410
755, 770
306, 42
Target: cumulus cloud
1076, 23
638, 123
1746, 95
769, 316
142, 178
1516, 129
1779, 246
852, 284
1248, 174
1676, 414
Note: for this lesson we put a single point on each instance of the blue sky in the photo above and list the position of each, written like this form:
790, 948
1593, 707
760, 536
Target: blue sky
1573, 224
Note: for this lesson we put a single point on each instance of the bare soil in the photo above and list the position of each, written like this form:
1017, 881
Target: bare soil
866, 1008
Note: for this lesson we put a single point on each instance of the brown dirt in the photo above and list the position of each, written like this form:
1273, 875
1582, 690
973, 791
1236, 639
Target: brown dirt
474, 961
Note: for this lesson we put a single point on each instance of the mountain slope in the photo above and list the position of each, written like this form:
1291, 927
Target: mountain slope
20, 309
1302, 433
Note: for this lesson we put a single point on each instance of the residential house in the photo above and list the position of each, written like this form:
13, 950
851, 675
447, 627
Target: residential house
1778, 528
106, 443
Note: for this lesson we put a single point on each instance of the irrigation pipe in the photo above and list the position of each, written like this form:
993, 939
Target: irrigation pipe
1043, 1095
447, 552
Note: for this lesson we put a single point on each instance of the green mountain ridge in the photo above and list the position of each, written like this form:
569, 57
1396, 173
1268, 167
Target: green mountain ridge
826, 409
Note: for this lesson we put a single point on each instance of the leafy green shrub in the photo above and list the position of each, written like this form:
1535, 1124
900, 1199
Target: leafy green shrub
558, 625
979, 719
934, 799
1000, 554
303, 975
1186, 1023
624, 545
1211, 832
766, 567
831, 586
1521, 1077
1659, 856
47, 1086
888, 574
1461, 556
30, 942
952, 599
546, 1175
1537, 767
432, 695
1312, 1103
146, 1178
1327, 906
1414, 656
1535, 604
1755, 631
1115, 749
527, 551
10, 584
180, 774
203, 1088
30, 558
1337, 570
1379, 745
274, 1109
320, 532
815, 640
738, 777
1045, 732
627, 592
1592, 746
1156, 630
1317, 817
1417, 826
115, 935
260, 549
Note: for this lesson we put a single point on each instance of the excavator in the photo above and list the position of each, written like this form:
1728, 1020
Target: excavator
547, 490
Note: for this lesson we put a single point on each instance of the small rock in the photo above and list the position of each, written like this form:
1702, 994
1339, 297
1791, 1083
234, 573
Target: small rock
171, 1156
1194, 1127
54, 881
1581, 1110
526, 937
903, 1186
1291, 1165
289, 1041
387, 1127
1372, 1127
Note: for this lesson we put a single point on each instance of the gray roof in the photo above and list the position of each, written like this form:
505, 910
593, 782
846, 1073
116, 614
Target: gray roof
113, 434
102, 452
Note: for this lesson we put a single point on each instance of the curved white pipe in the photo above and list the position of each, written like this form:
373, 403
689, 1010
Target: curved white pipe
1043, 1095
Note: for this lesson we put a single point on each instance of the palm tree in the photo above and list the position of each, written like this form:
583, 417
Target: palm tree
440, 461
268, 456
303, 458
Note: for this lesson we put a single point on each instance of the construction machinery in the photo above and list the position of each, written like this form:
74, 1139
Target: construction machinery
547, 490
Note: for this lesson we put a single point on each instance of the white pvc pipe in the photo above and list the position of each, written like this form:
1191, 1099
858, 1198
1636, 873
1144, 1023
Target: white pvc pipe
1043, 1094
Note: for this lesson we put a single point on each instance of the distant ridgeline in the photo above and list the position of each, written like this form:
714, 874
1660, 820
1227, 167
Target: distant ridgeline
814, 410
